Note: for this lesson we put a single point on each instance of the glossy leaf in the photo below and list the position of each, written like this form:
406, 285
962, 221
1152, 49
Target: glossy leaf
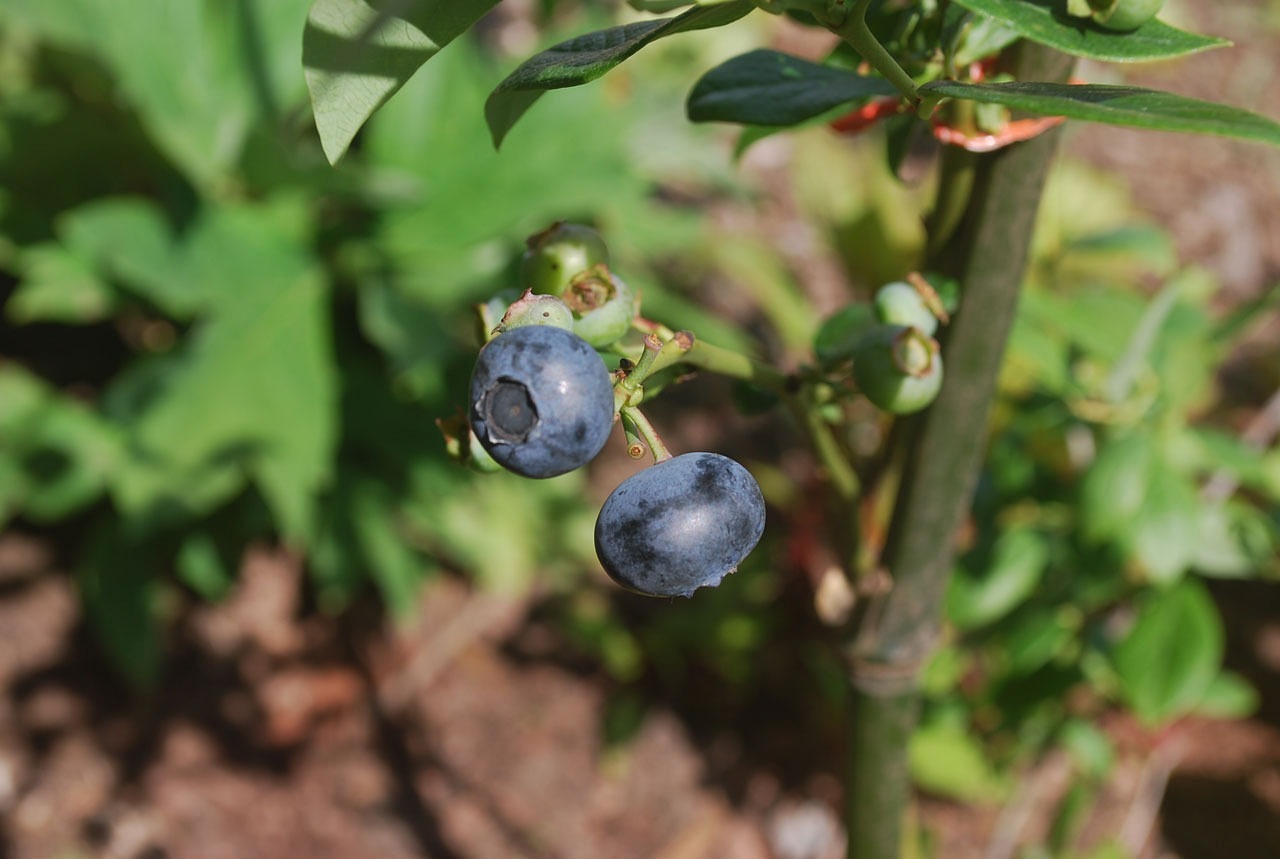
1169, 659
585, 58
1131, 106
356, 55
1046, 22
770, 88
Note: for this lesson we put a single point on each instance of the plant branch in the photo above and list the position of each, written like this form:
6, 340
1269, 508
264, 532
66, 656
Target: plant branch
989, 251
850, 24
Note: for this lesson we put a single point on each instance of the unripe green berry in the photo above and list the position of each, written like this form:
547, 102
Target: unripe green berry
603, 306
900, 303
898, 368
558, 253
1125, 15
530, 309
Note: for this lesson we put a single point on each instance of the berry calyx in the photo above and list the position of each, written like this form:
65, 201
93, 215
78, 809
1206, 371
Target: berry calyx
898, 368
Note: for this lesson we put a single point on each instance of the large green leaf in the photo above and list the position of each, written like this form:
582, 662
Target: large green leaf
585, 58
466, 207
1046, 22
357, 54
1169, 659
1117, 105
199, 72
255, 384
766, 87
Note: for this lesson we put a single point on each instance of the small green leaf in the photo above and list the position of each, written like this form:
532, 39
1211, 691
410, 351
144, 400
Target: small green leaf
58, 285
585, 58
1164, 535
120, 595
129, 239
1115, 487
1117, 105
770, 88
1229, 696
357, 55
1046, 22
1011, 574
840, 331
946, 761
1169, 659
203, 566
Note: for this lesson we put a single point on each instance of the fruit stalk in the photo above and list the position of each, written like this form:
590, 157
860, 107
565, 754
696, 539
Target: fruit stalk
988, 251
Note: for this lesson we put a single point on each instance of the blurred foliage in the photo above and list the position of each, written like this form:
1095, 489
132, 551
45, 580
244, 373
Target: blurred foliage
212, 337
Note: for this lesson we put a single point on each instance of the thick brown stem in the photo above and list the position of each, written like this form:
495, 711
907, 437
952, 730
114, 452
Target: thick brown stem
989, 251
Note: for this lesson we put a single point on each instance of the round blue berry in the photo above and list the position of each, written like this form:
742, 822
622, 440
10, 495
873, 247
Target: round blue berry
541, 401
680, 525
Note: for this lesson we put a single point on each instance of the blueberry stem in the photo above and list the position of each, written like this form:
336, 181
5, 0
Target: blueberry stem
644, 430
850, 24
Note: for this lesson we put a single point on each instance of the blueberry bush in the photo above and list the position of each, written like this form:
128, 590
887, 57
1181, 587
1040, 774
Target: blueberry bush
313, 231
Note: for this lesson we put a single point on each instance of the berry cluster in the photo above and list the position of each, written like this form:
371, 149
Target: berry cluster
543, 401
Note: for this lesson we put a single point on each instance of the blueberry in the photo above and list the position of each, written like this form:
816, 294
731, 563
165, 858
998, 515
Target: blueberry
541, 401
682, 524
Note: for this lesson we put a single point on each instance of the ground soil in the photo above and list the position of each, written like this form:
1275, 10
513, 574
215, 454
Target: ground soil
283, 734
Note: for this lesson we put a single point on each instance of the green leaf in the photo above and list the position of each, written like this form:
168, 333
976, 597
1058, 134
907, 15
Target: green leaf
1115, 487
356, 55
1117, 105
946, 761
58, 285
204, 567
396, 569
1046, 22
840, 331
1167, 662
585, 58
1164, 535
774, 89
1229, 696
255, 384
59, 453
128, 238
976, 598
201, 85
121, 597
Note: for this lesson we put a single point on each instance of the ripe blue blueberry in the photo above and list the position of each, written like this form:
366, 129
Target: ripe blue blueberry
541, 401
682, 524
